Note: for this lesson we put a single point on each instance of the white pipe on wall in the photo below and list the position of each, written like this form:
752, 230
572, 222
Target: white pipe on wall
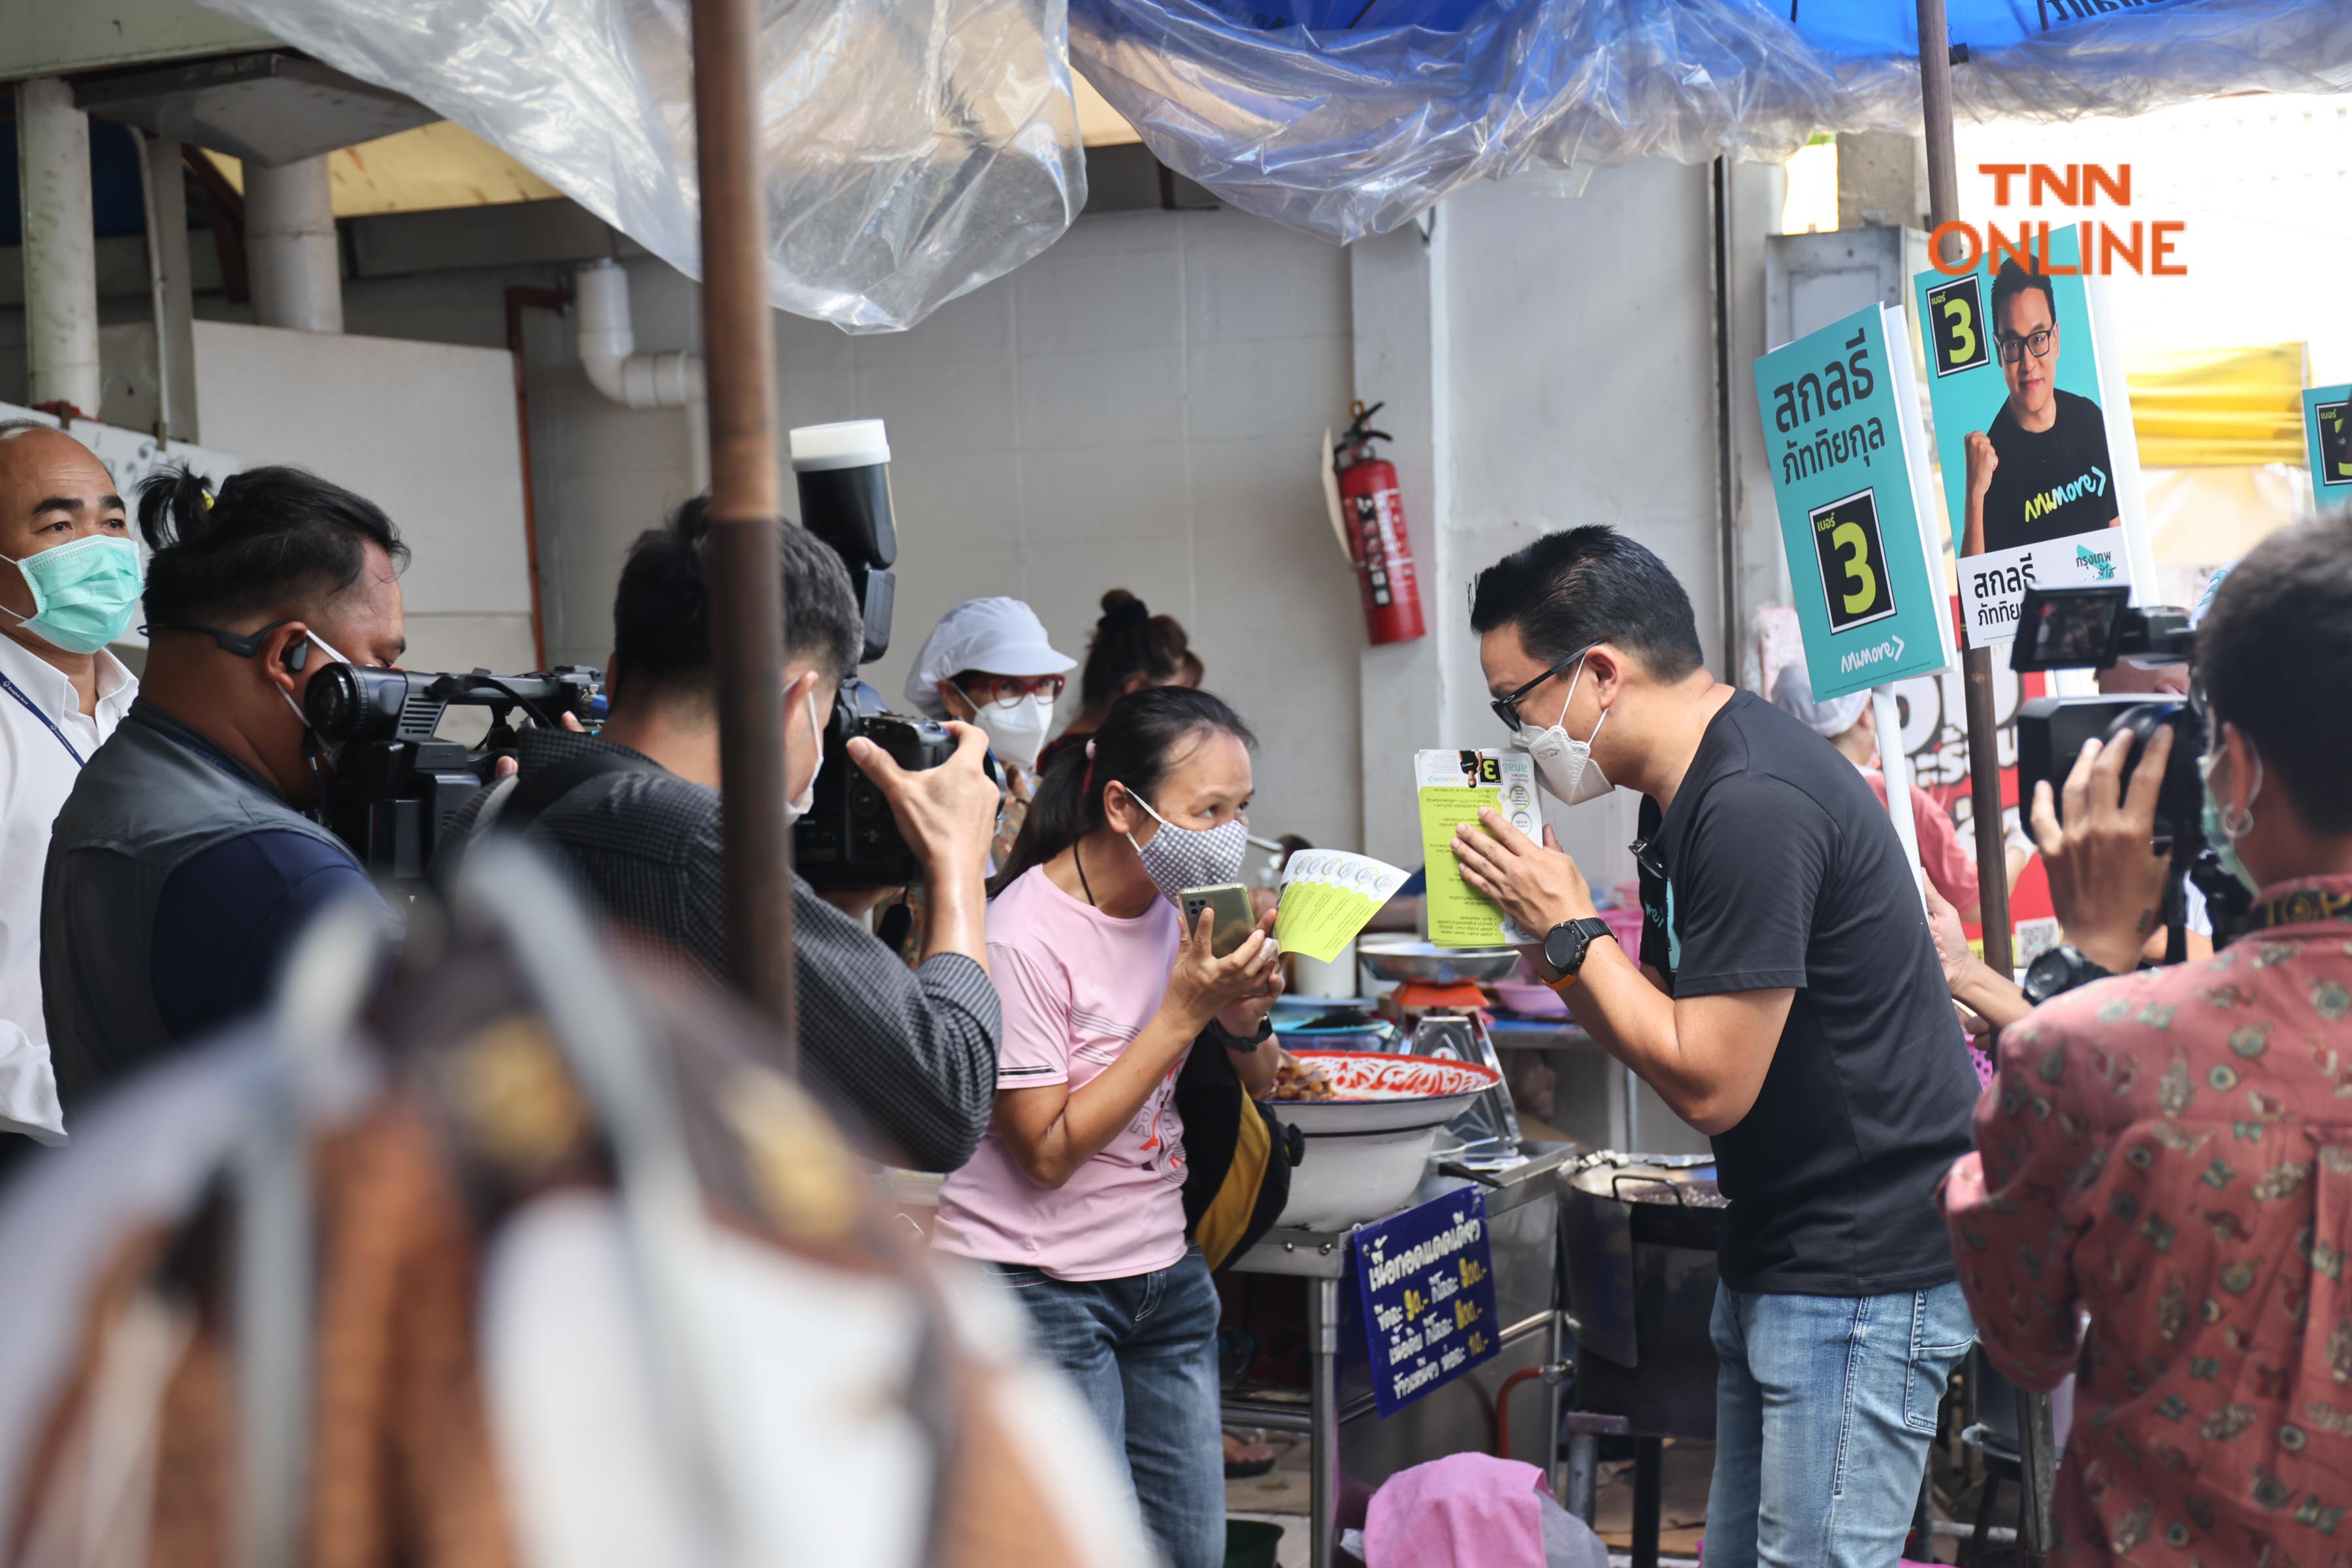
60, 247
289, 242
600, 293
168, 251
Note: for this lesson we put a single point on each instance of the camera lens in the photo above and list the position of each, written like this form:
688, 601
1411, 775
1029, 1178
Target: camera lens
331, 703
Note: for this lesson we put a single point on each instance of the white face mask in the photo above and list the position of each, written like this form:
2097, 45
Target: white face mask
798, 806
1563, 765
1015, 730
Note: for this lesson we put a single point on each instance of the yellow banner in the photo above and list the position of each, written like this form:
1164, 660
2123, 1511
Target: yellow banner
2209, 408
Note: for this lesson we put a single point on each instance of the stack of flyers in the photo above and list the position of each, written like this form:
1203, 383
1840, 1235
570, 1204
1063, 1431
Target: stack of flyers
1328, 896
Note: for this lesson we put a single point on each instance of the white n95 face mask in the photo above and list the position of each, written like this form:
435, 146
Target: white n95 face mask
1564, 765
1015, 730
798, 806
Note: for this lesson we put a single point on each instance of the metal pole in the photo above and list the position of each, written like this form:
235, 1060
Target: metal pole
1726, 518
2038, 1462
747, 609
1323, 1436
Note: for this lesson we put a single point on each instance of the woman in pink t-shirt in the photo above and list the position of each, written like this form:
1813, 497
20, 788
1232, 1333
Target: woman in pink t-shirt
1075, 1197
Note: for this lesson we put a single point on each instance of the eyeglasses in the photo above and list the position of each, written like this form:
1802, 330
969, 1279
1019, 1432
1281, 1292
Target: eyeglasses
1507, 708
2012, 350
983, 691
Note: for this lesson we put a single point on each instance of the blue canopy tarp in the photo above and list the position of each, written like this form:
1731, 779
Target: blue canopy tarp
1344, 118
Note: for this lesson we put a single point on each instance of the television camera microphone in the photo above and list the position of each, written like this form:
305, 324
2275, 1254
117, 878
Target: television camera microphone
2096, 627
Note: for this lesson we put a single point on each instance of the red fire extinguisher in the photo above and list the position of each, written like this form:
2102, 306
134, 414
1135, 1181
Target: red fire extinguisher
1372, 515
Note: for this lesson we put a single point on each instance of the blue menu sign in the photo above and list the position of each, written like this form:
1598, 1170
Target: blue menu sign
1428, 1281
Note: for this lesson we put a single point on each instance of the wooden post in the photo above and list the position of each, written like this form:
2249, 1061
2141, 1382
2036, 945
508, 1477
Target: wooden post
747, 613
2039, 1461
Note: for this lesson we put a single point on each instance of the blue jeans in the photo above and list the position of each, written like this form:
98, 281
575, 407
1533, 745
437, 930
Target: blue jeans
1143, 1354
1823, 1409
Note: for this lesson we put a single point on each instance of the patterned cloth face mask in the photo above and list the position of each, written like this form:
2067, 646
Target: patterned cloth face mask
1181, 858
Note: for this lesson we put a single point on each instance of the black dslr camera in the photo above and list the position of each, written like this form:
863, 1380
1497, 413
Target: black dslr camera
2094, 628
849, 839
391, 783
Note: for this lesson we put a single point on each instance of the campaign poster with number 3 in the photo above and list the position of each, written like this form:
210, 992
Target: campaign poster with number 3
1841, 416
2327, 434
2032, 431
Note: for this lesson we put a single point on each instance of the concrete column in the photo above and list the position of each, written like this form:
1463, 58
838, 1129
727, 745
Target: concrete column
60, 247
177, 313
1397, 282
1882, 180
289, 244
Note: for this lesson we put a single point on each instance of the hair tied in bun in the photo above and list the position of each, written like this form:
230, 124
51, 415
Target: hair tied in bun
1130, 611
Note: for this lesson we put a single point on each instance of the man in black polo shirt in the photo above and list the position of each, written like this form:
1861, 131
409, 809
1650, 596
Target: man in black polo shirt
1788, 1002
2041, 471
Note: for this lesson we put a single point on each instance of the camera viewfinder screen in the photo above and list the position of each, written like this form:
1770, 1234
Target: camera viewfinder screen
2068, 628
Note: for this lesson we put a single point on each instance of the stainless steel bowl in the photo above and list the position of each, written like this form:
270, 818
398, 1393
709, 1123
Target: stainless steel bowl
1401, 958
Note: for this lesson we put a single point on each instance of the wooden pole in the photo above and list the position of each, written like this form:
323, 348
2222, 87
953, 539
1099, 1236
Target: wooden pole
747, 610
2038, 1454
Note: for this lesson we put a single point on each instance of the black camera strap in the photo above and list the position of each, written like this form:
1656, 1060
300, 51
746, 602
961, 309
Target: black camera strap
535, 792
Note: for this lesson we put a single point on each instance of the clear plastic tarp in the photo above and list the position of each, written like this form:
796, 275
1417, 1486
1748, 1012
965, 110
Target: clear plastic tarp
1349, 117
915, 149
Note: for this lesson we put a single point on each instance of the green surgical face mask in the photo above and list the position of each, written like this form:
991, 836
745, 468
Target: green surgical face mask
84, 593
2219, 831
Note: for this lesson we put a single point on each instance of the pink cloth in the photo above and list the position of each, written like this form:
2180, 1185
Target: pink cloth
1465, 1510
1947, 861
1077, 987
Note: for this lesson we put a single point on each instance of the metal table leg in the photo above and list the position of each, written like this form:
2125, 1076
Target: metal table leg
1649, 1475
1323, 1441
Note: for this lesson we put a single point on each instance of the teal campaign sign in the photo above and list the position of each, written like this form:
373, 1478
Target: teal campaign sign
2328, 436
1845, 474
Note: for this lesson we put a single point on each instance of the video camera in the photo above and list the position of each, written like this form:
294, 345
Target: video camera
2096, 628
849, 839
392, 783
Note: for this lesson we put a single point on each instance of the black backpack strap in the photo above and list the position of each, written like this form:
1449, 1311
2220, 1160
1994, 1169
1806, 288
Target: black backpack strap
534, 792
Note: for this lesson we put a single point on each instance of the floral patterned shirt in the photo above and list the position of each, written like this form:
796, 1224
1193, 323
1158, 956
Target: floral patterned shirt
2171, 1152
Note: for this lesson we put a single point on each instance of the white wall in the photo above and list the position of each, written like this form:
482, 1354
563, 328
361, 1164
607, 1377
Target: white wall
1580, 381
1139, 407
424, 430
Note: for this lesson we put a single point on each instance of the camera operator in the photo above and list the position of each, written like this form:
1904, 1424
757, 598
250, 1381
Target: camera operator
635, 812
2106, 881
181, 866
2170, 1149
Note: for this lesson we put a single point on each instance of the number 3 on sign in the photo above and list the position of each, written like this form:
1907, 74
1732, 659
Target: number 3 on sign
1853, 556
1955, 316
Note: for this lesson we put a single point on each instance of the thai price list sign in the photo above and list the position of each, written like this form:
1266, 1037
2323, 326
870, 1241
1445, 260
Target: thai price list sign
1428, 1283
1857, 513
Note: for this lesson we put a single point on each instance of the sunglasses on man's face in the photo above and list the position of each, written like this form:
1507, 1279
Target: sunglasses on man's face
1507, 708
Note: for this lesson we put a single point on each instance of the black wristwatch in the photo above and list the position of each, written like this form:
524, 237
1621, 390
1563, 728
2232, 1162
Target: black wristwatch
1235, 1043
2059, 971
1565, 945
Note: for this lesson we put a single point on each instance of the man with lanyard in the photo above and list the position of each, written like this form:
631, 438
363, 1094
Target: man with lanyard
183, 866
1786, 1002
68, 585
